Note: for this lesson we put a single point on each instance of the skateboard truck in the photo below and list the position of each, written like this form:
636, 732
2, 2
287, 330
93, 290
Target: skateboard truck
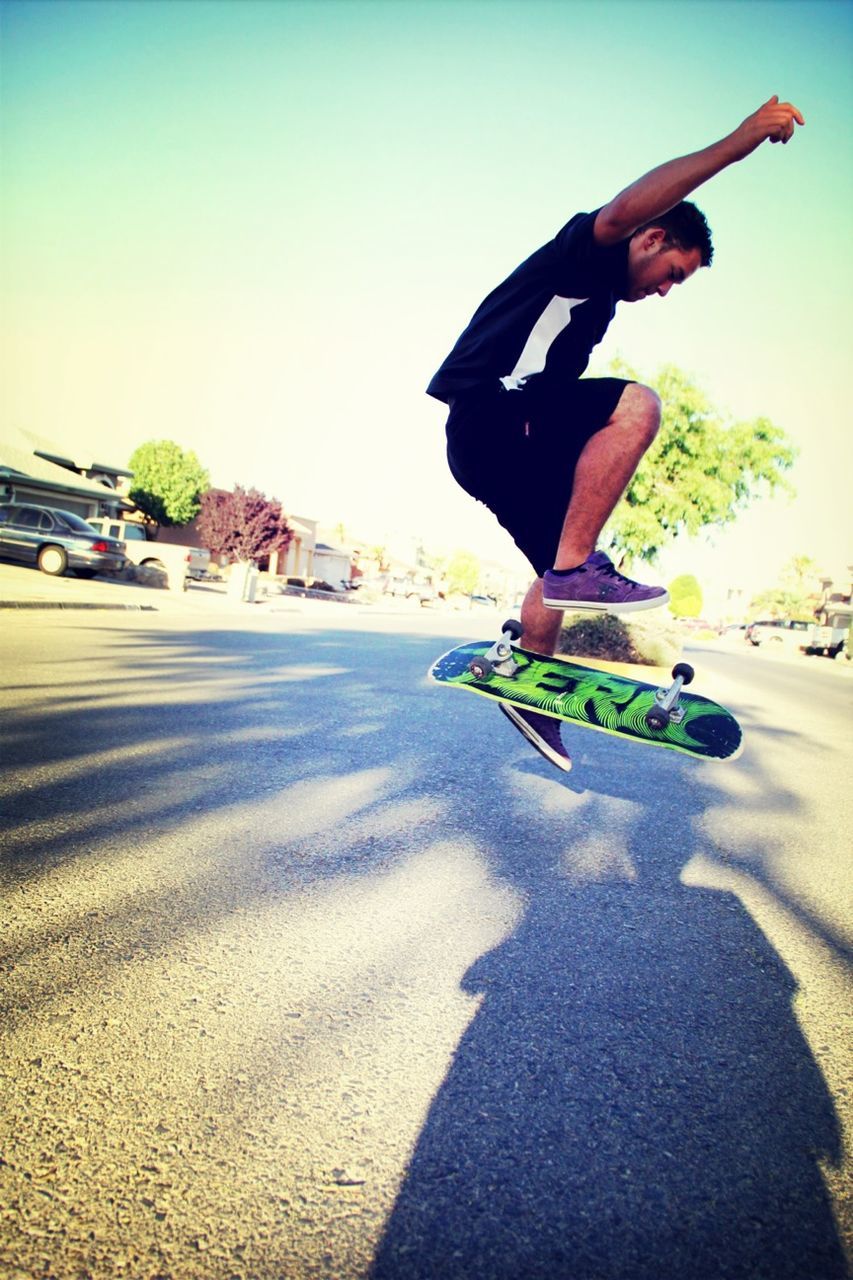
499, 660
666, 709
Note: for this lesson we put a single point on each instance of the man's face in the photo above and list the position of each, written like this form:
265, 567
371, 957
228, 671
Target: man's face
654, 267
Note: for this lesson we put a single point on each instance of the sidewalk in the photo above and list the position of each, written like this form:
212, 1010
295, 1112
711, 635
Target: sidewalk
25, 588
22, 587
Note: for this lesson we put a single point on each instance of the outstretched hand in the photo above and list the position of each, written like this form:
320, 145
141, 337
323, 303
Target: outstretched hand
775, 121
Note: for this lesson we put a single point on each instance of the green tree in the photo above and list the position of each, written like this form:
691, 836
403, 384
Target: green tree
685, 597
702, 470
795, 595
168, 482
463, 573
379, 553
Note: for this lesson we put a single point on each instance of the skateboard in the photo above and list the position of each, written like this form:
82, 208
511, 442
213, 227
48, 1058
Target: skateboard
616, 704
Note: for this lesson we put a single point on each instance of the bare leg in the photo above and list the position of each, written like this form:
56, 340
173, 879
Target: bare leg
541, 624
604, 469
603, 472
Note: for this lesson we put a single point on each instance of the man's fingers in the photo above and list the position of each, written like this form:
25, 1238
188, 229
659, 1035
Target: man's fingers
773, 107
774, 121
791, 112
781, 119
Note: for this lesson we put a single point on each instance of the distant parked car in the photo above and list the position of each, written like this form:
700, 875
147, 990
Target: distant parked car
789, 632
697, 624
177, 561
831, 636
57, 541
423, 592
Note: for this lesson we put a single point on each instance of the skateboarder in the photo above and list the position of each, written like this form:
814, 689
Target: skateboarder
549, 452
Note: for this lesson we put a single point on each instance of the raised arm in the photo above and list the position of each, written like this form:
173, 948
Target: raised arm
662, 188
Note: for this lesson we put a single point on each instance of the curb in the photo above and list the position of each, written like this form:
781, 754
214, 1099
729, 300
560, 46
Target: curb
77, 604
306, 593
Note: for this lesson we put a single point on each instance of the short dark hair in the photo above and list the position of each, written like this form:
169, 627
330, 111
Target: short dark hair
686, 227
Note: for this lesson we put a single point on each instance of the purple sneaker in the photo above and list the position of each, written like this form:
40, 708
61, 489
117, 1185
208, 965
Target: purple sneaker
598, 587
542, 731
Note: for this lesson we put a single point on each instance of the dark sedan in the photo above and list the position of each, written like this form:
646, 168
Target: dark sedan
57, 541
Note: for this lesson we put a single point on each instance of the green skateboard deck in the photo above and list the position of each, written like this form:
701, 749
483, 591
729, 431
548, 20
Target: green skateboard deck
615, 704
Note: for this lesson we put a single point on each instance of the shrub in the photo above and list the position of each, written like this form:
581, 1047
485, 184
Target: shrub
654, 641
656, 637
601, 636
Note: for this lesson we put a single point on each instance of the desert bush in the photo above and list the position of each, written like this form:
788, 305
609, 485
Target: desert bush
636, 639
599, 636
151, 575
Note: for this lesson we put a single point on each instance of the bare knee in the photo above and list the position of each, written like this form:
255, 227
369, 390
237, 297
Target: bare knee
638, 411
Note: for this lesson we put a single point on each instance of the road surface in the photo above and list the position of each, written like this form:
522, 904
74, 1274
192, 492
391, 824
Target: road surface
311, 969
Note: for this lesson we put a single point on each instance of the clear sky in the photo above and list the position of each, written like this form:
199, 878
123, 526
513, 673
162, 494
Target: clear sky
256, 228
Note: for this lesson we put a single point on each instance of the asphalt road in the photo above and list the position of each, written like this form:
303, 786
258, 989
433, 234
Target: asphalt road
311, 969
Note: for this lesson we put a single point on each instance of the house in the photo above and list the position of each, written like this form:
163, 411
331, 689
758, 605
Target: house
33, 469
296, 560
836, 587
305, 557
332, 564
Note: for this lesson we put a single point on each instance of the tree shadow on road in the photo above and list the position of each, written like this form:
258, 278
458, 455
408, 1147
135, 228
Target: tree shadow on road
633, 1098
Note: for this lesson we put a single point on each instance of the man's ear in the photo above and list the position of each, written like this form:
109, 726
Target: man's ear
652, 238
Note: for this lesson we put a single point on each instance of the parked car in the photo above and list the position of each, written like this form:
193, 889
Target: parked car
57, 541
176, 560
424, 593
831, 635
403, 588
789, 632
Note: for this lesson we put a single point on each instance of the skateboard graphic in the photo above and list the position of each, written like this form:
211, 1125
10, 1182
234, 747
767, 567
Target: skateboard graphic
615, 704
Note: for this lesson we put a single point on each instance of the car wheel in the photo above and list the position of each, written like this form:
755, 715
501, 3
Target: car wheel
53, 560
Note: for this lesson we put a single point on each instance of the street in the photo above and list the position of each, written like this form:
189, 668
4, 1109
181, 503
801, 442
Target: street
313, 969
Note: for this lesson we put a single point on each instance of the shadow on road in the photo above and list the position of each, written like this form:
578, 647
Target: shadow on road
633, 1097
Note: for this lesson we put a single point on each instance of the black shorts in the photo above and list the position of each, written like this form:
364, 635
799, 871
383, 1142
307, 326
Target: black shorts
516, 452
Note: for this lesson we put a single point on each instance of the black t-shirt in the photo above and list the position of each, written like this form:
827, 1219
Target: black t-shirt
544, 320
